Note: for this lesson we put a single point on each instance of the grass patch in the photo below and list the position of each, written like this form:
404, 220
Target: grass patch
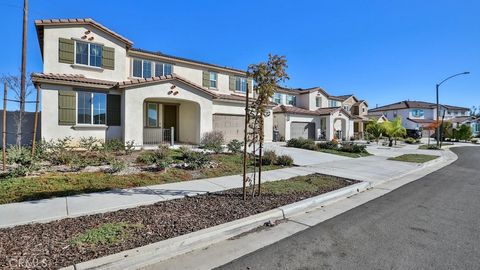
300, 184
107, 233
66, 184
416, 158
345, 154
429, 147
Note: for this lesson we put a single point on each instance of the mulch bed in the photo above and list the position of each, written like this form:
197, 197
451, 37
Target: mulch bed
49, 245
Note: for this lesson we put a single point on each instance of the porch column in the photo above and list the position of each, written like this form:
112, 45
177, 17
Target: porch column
329, 124
133, 118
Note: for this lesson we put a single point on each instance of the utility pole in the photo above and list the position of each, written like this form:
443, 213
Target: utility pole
23, 71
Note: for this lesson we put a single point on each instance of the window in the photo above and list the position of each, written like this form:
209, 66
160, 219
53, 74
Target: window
417, 113
318, 101
91, 104
292, 100
88, 54
346, 108
241, 84
277, 98
162, 69
363, 109
147, 69
213, 79
152, 115
332, 103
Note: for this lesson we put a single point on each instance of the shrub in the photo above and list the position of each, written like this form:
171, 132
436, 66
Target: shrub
301, 143
213, 141
333, 145
117, 165
19, 155
474, 140
89, 143
410, 140
353, 148
284, 160
60, 151
429, 147
113, 145
196, 160
154, 157
269, 157
129, 147
235, 146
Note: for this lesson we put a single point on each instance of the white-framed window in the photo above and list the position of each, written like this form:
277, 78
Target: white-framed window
91, 108
318, 101
292, 100
152, 115
332, 103
146, 69
88, 54
241, 84
363, 109
418, 113
277, 98
213, 79
346, 108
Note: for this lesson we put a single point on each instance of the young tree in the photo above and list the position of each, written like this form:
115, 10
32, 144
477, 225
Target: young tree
464, 133
432, 126
375, 129
14, 84
394, 129
267, 76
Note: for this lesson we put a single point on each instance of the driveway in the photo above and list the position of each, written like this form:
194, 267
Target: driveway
302, 157
432, 223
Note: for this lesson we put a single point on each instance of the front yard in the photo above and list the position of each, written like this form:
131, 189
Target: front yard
415, 158
68, 241
347, 149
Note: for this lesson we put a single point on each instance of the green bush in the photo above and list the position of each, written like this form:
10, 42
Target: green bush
410, 140
60, 151
89, 143
235, 146
113, 145
196, 160
129, 147
19, 155
301, 143
213, 141
353, 148
163, 153
284, 160
333, 145
117, 165
269, 157
429, 147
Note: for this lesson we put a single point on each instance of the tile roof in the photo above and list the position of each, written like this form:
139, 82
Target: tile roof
342, 97
421, 121
406, 104
318, 112
74, 79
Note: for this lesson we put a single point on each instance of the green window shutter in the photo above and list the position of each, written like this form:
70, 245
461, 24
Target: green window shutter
231, 83
67, 108
114, 111
206, 79
108, 58
65, 50
250, 85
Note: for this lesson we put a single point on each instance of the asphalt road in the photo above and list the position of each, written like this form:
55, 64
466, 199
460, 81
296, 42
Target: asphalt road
432, 223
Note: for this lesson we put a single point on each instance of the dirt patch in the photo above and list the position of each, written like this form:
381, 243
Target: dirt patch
52, 244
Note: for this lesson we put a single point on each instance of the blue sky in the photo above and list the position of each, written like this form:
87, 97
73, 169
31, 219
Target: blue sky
382, 51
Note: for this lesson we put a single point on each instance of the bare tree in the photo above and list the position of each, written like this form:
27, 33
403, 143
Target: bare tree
14, 87
475, 111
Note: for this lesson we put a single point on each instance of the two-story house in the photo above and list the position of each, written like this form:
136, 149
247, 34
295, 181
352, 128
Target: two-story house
416, 115
94, 83
313, 113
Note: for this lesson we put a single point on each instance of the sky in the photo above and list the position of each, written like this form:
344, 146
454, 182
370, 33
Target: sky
383, 51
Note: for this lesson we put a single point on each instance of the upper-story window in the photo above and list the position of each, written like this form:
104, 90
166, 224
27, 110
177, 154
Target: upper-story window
147, 69
318, 101
292, 100
277, 98
363, 109
91, 108
332, 103
418, 113
241, 84
346, 108
88, 54
213, 79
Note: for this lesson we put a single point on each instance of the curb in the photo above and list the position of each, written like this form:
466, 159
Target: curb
163, 250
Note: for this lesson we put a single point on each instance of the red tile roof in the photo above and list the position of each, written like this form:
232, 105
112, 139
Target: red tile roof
73, 79
407, 104
318, 112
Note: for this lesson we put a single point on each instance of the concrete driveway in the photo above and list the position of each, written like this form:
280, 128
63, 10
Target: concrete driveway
302, 157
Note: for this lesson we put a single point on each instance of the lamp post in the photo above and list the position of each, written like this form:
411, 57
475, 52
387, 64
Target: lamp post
438, 104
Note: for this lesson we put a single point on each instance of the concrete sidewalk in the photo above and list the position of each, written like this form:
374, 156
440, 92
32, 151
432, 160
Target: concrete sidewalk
373, 169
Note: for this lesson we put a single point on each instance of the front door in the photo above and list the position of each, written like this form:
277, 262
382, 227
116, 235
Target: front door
170, 118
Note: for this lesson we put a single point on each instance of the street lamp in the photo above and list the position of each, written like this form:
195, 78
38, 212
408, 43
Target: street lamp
438, 104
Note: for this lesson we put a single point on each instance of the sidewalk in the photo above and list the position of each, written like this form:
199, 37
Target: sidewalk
373, 169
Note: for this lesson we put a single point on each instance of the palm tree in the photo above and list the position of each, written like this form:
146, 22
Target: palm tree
375, 129
394, 129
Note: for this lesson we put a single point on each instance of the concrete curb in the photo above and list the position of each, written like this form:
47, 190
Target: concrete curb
160, 251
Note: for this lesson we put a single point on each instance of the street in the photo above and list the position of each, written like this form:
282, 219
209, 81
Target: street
431, 223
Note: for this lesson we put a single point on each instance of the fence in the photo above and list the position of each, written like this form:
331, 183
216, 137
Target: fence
27, 127
155, 136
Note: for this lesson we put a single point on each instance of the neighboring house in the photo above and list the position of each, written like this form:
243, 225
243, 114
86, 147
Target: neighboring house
94, 83
472, 121
416, 115
313, 113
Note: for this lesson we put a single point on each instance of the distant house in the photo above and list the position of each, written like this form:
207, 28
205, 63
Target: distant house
472, 121
416, 115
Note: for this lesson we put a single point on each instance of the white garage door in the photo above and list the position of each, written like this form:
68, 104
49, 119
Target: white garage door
231, 126
302, 130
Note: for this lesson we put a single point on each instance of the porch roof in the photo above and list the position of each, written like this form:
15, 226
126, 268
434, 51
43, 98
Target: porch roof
71, 79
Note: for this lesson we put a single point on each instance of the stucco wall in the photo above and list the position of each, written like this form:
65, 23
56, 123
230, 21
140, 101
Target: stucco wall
50, 53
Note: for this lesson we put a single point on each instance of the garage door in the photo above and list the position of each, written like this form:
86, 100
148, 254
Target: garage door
231, 126
302, 130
